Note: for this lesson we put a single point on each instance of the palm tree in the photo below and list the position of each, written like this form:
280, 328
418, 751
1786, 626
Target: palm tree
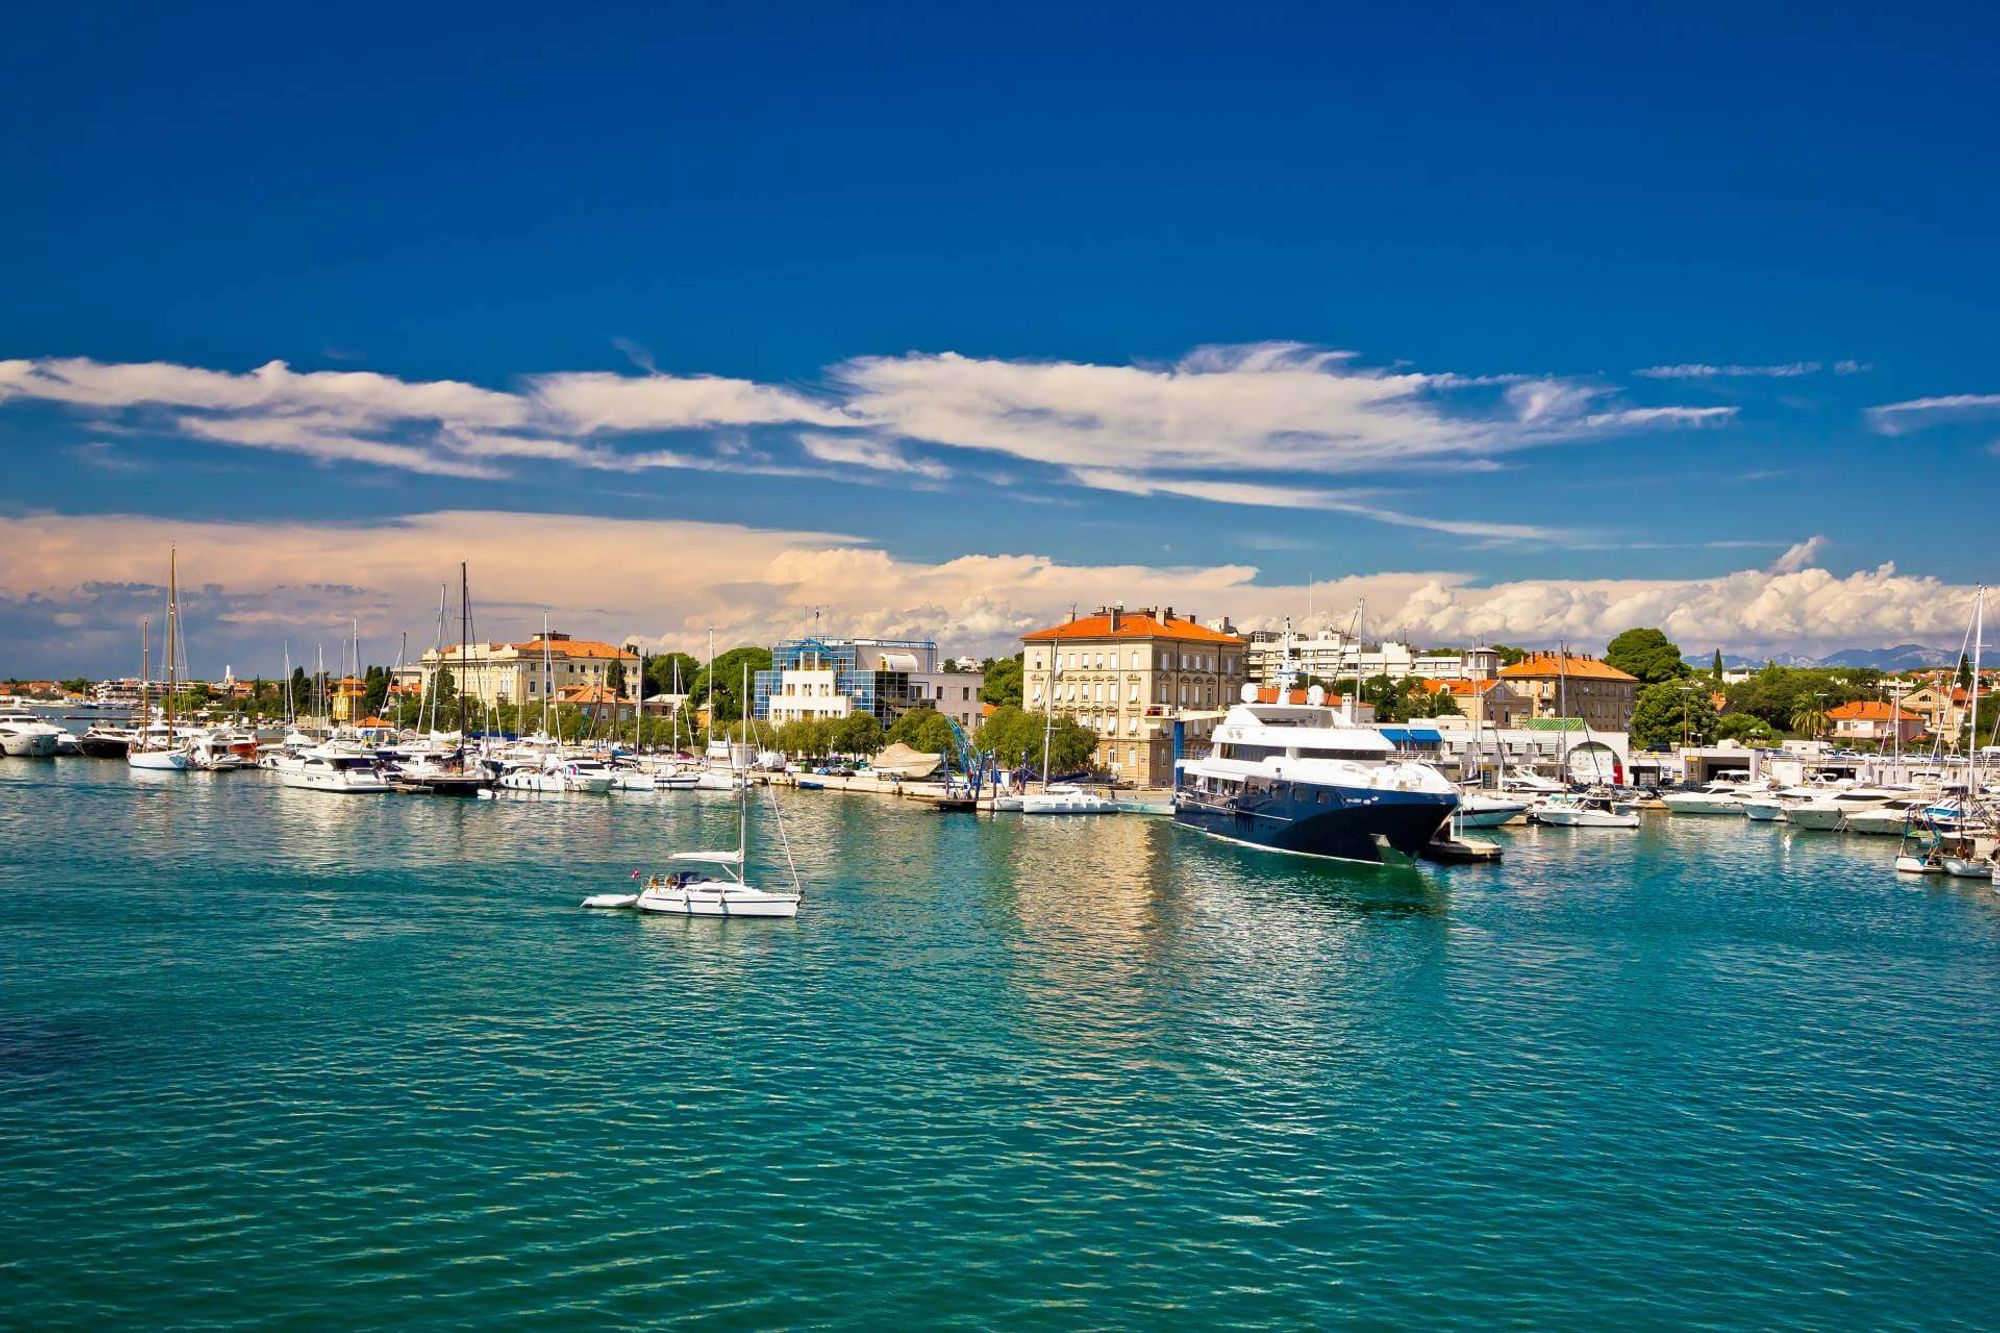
1809, 718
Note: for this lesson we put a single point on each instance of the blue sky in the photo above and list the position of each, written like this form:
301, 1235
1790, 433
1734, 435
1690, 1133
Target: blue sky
974, 284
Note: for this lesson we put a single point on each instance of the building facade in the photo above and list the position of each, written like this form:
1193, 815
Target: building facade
517, 673
1872, 721
1572, 685
1335, 658
825, 679
1129, 676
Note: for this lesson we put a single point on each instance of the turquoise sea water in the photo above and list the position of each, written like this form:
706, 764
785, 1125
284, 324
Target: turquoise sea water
281, 1057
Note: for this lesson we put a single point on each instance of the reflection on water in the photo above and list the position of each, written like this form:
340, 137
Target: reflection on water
257, 1043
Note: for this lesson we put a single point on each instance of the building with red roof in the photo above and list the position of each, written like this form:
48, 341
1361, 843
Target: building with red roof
1129, 676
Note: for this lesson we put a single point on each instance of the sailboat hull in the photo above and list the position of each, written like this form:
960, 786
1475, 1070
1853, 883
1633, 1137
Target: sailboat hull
719, 900
158, 761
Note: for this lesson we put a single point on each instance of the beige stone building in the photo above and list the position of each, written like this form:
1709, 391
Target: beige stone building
1128, 676
501, 673
1571, 685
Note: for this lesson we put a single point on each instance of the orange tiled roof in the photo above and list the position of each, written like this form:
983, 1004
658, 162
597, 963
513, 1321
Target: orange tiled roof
1133, 625
557, 648
1868, 710
1470, 687
588, 694
1536, 666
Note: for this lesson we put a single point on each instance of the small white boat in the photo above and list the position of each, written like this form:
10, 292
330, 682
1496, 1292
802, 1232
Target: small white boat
1717, 798
158, 761
1065, 799
612, 901
719, 779
1481, 809
1008, 804
697, 893
335, 771
1889, 818
586, 775
1583, 810
1767, 807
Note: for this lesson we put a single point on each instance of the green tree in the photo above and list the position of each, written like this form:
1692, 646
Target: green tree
1015, 735
728, 676
1809, 717
374, 691
1508, 653
614, 678
77, 685
1964, 672
1668, 711
1647, 654
1003, 682
1716, 669
301, 691
925, 730
857, 734
1745, 728
671, 673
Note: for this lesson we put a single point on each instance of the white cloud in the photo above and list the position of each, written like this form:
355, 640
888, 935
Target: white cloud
1852, 367
1270, 408
597, 401
1800, 555
1289, 497
1279, 416
876, 455
251, 585
1916, 413
1698, 370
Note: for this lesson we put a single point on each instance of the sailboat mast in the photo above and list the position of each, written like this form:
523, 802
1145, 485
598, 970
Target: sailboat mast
173, 596
464, 640
1972, 722
145, 677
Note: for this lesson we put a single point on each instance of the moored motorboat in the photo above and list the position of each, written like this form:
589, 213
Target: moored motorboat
1066, 799
1483, 809
23, 735
1717, 798
1591, 809
335, 771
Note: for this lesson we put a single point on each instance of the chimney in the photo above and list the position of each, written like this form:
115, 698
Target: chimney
1166, 615
1116, 613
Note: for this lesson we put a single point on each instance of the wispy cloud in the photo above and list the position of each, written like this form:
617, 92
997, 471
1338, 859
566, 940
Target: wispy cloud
1701, 370
1288, 497
875, 455
1917, 413
1275, 416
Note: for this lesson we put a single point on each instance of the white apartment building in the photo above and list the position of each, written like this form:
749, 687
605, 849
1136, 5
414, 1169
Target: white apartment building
1333, 657
499, 673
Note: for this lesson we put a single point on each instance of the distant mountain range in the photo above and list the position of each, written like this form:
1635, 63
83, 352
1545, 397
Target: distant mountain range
1903, 657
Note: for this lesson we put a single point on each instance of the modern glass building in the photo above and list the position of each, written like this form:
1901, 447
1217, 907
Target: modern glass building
832, 678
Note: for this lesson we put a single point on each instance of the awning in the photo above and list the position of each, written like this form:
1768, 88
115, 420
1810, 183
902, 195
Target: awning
1412, 736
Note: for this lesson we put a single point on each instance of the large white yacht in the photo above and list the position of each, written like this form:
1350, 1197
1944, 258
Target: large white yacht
26, 736
1295, 775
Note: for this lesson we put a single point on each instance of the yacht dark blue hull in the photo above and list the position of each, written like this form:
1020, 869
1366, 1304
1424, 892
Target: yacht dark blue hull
1346, 824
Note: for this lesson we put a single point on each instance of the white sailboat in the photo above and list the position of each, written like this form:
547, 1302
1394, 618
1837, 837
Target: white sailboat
167, 756
717, 888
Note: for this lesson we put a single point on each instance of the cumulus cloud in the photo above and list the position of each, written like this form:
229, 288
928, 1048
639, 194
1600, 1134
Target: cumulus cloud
250, 586
1917, 413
